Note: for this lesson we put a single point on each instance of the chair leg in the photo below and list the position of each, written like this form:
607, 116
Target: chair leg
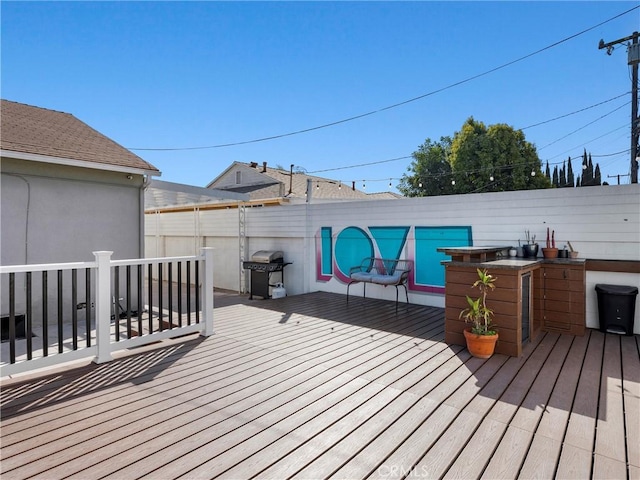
396, 297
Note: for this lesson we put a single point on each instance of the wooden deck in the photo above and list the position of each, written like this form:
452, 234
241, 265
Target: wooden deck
312, 387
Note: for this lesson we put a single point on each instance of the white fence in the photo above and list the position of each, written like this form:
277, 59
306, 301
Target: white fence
600, 222
61, 337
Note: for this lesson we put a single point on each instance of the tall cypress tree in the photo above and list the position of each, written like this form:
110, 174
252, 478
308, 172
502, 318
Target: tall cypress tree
589, 174
585, 169
547, 172
555, 181
597, 179
570, 178
563, 176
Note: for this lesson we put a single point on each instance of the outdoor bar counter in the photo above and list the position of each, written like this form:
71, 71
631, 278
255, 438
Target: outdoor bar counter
531, 295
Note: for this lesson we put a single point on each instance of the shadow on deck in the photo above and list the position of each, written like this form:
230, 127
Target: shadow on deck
309, 386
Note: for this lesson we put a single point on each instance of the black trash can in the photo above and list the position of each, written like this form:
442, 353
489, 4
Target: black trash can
616, 308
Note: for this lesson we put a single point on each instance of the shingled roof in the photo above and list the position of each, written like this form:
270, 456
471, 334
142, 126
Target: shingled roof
29, 130
280, 183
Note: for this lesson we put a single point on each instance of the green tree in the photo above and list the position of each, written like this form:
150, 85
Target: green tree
497, 158
570, 177
590, 176
477, 159
597, 177
431, 171
587, 170
563, 176
547, 172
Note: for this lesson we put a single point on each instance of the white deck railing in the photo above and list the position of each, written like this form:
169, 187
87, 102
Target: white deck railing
103, 333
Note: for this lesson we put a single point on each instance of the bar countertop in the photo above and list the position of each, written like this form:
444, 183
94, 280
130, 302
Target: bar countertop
517, 263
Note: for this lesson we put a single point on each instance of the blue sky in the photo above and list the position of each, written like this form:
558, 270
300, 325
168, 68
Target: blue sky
179, 75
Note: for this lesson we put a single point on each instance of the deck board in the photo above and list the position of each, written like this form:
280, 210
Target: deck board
610, 441
631, 392
312, 387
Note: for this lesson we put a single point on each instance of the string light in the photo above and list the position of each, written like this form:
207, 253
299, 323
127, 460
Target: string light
480, 171
427, 177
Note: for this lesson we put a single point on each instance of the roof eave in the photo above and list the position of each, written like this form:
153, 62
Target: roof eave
77, 163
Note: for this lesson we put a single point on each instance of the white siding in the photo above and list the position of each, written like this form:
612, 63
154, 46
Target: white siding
601, 223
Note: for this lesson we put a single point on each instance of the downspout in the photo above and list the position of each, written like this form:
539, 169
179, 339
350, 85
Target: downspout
28, 208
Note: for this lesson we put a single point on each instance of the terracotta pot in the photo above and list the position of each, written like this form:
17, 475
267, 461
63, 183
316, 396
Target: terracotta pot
550, 252
480, 346
573, 254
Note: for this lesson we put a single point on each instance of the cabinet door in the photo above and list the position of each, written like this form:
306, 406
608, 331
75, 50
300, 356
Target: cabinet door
563, 299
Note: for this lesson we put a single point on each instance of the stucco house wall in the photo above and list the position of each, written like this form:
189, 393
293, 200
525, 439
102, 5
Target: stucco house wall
66, 191
54, 214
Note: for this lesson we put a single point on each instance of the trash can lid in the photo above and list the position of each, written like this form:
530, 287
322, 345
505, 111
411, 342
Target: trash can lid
617, 289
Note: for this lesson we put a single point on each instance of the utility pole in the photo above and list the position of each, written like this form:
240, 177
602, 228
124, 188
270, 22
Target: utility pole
633, 50
619, 175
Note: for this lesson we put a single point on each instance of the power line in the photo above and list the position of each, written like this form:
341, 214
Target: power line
587, 142
363, 164
395, 105
612, 154
554, 163
574, 112
585, 126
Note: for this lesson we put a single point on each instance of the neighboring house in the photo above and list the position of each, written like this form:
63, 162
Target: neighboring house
275, 185
67, 190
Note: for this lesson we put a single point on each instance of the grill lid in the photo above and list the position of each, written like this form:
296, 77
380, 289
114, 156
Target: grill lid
267, 256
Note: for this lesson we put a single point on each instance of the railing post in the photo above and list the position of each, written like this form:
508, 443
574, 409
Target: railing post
103, 306
207, 292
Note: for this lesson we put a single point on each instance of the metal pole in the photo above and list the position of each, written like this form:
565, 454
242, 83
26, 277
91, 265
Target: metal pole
291, 180
635, 122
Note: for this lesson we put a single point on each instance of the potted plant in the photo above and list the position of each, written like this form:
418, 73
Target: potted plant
551, 251
530, 249
481, 336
